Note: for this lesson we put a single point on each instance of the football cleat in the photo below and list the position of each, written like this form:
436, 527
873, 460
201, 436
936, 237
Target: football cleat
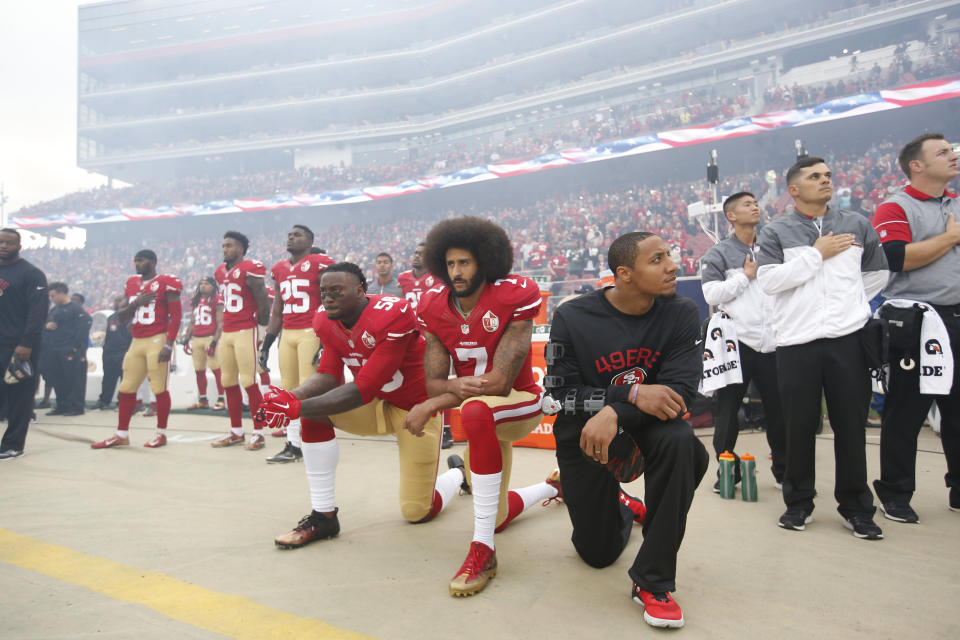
279, 433
477, 570
151, 410
290, 453
314, 526
554, 481
203, 403
446, 438
456, 462
228, 441
159, 440
109, 443
255, 443
635, 505
219, 404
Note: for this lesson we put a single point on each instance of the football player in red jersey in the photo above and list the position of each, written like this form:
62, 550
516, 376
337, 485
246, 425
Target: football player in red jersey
377, 338
245, 304
153, 302
413, 283
483, 317
417, 280
298, 281
200, 341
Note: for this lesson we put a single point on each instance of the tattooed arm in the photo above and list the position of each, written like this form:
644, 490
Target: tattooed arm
509, 357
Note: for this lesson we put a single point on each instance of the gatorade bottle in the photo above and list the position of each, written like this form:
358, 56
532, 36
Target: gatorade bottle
726, 475
748, 473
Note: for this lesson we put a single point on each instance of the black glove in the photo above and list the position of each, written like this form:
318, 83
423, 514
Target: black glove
268, 340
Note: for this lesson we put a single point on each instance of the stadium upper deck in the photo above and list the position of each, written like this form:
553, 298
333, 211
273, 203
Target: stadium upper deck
166, 87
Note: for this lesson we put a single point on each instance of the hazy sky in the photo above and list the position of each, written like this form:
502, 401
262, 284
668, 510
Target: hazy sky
38, 101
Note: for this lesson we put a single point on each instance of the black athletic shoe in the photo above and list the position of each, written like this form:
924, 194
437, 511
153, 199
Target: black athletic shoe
863, 527
54, 412
314, 526
10, 454
456, 462
446, 440
899, 512
954, 499
290, 453
795, 519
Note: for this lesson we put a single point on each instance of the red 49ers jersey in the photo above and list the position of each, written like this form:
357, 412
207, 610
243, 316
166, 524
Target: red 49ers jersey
239, 305
383, 350
205, 317
413, 287
299, 286
473, 341
151, 319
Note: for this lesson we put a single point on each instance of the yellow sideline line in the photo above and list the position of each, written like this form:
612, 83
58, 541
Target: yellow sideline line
230, 615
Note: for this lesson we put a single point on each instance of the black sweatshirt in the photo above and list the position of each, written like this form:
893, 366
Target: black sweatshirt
23, 304
606, 349
72, 334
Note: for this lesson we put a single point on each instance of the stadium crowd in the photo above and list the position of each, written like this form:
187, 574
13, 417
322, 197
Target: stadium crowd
561, 237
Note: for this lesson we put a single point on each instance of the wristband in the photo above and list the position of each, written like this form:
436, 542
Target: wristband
634, 392
167, 347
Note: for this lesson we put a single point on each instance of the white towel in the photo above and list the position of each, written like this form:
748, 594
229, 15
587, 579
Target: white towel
936, 355
721, 355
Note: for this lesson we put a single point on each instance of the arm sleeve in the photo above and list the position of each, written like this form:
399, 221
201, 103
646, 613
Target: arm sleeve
717, 287
896, 251
174, 312
383, 365
776, 276
37, 306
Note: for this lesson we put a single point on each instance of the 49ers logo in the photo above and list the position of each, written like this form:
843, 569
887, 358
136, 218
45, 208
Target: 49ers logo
305, 267
630, 376
368, 340
490, 322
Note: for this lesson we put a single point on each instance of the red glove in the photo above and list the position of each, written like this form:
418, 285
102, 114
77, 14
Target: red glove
278, 408
212, 349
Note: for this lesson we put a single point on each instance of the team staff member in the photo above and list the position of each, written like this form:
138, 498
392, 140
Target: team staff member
23, 310
481, 318
634, 349
729, 280
822, 268
66, 339
116, 341
920, 230
200, 341
245, 305
385, 284
375, 337
153, 303
298, 284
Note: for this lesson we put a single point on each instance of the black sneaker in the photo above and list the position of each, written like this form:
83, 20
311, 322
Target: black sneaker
954, 499
10, 454
899, 512
290, 453
314, 526
456, 462
863, 527
795, 519
446, 439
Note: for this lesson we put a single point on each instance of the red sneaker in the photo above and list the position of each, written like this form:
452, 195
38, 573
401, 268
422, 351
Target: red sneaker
659, 609
279, 433
109, 443
477, 570
634, 504
228, 441
554, 481
197, 406
159, 440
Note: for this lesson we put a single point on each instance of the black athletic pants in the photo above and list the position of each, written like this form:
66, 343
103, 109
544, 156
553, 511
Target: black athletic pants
761, 368
675, 463
903, 413
835, 367
112, 370
67, 378
18, 401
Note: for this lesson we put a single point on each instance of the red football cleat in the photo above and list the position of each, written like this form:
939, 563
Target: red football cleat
197, 406
109, 443
477, 570
279, 433
255, 443
554, 481
228, 441
635, 505
159, 440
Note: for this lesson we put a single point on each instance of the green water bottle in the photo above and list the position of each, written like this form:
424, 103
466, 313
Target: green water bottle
726, 475
748, 474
